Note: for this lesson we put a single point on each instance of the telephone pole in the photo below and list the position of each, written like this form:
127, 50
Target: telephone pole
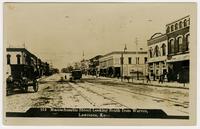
137, 58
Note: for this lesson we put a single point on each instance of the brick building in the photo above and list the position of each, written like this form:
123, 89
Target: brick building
21, 56
178, 34
157, 55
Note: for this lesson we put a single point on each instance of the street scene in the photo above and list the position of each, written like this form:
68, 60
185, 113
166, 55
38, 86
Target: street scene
92, 92
98, 56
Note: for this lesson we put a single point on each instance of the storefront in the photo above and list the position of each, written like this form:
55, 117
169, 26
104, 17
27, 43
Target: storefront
178, 68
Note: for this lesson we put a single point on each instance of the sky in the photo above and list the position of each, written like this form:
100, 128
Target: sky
60, 33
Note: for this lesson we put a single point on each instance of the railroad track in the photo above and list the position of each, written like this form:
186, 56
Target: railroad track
174, 102
94, 92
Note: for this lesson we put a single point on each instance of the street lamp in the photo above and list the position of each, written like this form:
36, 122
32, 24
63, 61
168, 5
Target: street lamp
122, 62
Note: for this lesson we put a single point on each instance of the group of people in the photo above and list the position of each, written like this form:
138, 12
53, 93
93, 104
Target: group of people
162, 78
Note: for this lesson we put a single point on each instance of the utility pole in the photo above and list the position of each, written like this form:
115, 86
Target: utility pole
137, 58
122, 62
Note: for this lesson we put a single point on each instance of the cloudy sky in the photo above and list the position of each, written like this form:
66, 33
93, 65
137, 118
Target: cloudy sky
61, 32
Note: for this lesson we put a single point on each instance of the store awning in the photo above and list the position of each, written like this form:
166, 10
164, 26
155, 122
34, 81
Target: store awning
179, 58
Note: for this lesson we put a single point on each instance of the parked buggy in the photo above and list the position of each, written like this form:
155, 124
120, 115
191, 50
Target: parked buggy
22, 76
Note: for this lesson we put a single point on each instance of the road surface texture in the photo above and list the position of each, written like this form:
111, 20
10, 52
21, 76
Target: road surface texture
91, 92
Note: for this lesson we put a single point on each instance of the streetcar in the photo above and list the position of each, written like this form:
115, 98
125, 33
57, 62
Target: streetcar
76, 75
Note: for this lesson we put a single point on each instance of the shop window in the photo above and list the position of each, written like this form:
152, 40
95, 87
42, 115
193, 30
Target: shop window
8, 58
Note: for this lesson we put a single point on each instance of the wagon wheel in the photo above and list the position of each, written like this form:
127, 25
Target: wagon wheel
9, 89
35, 86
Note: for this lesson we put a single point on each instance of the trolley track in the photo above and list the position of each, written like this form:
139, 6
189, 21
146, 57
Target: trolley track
185, 105
94, 92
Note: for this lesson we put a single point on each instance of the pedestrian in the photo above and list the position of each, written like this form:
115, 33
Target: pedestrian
65, 77
161, 78
148, 79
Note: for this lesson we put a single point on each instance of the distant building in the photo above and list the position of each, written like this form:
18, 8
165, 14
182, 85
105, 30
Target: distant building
94, 68
157, 55
84, 66
178, 36
111, 64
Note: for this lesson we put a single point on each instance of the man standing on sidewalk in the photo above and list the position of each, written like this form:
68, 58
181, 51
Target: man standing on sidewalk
148, 79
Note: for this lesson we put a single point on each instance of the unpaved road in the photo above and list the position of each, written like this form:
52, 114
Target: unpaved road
99, 93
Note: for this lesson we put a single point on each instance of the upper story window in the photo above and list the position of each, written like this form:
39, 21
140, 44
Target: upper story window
179, 43
150, 53
156, 51
8, 58
172, 28
180, 24
189, 21
145, 60
187, 38
171, 46
163, 49
129, 60
168, 29
137, 60
176, 26
18, 58
185, 23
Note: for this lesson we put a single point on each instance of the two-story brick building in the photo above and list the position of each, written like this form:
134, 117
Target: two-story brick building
157, 57
178, 34
22, 56
169, 53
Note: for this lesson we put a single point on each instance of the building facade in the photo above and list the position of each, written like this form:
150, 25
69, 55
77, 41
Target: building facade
21, 56
94, 68
157, 56
112, 65
178, 36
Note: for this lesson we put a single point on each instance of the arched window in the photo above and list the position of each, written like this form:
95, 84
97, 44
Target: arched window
156, 51
179, 44
176, 26
187, 38
171, 46
8, 58
172, 28
150, 52
163, 50
189, 21
168, 29
185, 23
180, 24
18, 58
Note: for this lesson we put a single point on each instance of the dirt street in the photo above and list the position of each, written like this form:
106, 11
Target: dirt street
93, 92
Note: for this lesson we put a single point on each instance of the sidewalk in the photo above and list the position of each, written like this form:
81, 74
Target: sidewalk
152, 83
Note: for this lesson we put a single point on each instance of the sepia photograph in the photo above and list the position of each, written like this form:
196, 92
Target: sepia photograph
120, 62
